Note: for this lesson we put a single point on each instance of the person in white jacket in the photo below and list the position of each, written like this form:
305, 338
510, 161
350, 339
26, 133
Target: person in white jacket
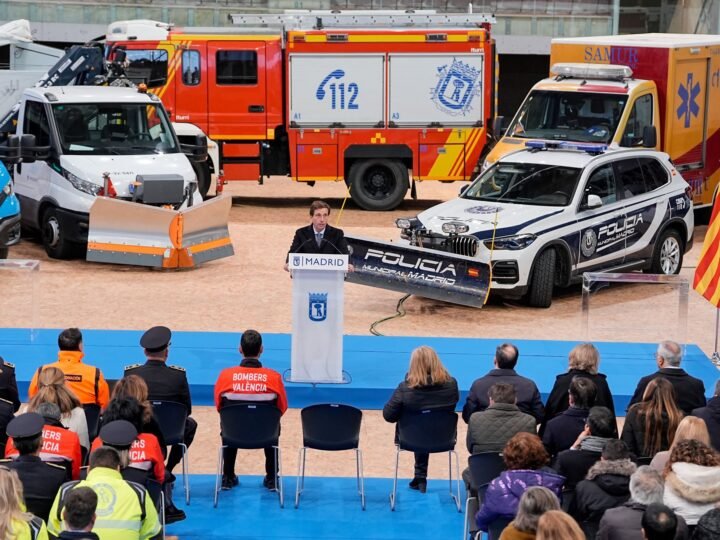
692, 480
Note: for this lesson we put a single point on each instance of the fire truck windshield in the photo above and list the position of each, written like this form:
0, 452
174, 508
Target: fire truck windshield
572, 116
113, 128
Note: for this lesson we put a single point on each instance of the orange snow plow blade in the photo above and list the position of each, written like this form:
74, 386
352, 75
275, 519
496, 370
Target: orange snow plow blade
123, 232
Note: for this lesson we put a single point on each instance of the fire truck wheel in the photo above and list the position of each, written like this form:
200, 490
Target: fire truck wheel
378, 184
53, 238
542, 279
202, 171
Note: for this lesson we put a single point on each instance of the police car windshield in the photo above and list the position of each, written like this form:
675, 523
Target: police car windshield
113, 128
572, 116
525, 183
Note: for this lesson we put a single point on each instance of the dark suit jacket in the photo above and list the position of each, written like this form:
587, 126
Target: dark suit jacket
689, 391
333, 242
563, 430
528, 395
711, 415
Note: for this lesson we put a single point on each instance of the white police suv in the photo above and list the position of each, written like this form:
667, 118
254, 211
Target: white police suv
544, 215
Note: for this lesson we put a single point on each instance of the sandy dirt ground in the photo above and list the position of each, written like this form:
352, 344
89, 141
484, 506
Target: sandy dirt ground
250, 289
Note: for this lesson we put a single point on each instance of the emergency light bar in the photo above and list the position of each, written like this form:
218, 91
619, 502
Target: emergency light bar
590, 148
591, 71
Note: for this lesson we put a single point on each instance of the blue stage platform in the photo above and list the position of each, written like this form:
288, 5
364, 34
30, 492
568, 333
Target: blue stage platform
376, 364
329, 509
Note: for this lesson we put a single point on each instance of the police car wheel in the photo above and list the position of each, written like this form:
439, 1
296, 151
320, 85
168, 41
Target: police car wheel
542, 279
668, 255
378, 184
53, 238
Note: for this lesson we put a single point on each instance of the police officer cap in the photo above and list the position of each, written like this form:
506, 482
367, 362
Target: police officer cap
156, 339
118, 434
25, 426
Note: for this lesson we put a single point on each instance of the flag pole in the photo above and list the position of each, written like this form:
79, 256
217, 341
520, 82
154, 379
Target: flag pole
716, 355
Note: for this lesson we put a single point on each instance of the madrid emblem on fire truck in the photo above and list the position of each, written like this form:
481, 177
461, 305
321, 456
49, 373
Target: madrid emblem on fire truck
457, 85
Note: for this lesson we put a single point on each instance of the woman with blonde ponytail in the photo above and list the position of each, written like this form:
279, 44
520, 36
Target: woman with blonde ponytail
15, 523
52, 389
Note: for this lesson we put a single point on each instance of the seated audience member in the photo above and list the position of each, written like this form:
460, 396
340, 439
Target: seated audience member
15, 522
427, 385
528, 395
708, 527
659, 523
689, 391
232, 386
689, 427
692, 480
59, 444
145, 453
534, 502
575, 462
625, 521
526, 461
607, 485
124, 509
557, 525
52, 389
83, 380
8, 384
133, 386
583, 361
562, 431
650, 425
41, 480
79, 515
711, 415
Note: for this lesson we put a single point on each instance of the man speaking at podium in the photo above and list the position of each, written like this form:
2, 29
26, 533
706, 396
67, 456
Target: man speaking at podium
319, 237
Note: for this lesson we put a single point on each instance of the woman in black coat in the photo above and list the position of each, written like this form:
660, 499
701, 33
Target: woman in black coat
427, 385
584, 360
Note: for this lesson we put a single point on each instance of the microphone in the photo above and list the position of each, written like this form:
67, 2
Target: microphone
297, 249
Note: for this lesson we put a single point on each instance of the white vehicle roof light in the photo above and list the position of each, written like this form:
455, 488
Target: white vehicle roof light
590, 148
591, 71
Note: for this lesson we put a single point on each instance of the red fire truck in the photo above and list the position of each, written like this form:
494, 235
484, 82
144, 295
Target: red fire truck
371, 99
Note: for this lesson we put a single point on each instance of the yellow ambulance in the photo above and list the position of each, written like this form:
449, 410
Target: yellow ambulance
657, 91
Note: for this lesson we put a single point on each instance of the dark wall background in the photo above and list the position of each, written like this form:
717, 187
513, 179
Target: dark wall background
518, 73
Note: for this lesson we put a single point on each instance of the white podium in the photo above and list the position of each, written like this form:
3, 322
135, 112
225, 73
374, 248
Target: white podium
318, 304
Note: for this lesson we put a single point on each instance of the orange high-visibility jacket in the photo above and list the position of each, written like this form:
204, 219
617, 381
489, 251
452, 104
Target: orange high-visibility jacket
145, 454
256, 384
85, 381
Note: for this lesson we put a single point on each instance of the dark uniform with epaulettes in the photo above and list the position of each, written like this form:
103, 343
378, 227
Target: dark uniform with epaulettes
165, 383
41, 480
9, 399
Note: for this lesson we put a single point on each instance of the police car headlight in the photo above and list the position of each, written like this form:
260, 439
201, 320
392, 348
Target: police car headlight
455, 228
407, 223
521, 241
81, 185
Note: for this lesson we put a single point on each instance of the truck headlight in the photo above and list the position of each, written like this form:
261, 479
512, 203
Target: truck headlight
455, 228
520, 241
407, 223
81, 185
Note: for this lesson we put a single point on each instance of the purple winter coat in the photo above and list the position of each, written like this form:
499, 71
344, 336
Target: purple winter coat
503, 494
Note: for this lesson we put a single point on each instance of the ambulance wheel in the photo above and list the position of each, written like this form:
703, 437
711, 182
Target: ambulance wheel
668, 254
53, 238
3, 253
542, 279
202, 171
378, 184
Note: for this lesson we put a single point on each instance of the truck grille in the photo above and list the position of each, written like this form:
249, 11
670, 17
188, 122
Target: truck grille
462, 245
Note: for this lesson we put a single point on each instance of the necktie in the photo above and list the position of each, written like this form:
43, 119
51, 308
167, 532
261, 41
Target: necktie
318, 238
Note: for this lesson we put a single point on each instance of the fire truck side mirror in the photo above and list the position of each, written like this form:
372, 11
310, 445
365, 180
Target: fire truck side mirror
500, 125
197, 150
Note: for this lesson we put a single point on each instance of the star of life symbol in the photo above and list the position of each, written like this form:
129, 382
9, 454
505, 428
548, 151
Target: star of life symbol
457, 85
688, 93
317, 306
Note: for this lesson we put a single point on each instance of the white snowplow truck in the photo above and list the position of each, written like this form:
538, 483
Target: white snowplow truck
117, 181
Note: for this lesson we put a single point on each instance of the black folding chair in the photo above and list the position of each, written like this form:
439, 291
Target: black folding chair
484, 468
496, 528
250, 427
643, 460
330, 427
171, 417
92, 417
429, 432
